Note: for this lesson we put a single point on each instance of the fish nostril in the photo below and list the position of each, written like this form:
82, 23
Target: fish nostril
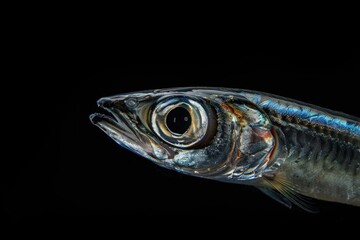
131, 103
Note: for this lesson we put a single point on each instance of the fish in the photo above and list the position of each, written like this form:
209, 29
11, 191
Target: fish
292, 151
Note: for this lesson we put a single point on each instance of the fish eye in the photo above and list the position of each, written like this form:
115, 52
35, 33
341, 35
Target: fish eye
182, 122
178, 120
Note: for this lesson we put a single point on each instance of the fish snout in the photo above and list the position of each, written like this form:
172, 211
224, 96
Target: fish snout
106, 103
120, 104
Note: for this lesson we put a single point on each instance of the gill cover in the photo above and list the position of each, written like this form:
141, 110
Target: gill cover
256, 141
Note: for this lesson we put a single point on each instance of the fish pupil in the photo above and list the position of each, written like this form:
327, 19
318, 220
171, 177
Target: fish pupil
178, 120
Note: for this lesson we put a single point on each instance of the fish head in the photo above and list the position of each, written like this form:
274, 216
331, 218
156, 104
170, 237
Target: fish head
209, 133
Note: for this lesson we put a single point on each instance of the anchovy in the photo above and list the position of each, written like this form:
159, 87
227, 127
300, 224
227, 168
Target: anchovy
290, 150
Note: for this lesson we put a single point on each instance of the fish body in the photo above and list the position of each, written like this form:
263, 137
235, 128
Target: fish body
286, 148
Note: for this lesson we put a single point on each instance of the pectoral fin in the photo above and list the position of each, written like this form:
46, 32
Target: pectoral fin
276, 196
283, 192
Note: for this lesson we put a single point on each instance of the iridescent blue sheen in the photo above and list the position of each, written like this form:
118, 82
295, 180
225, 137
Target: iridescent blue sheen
313, 116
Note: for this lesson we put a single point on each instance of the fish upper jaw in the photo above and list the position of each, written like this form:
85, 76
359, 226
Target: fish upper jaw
125, 129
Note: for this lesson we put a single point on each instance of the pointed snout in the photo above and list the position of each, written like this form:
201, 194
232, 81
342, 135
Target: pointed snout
115, 102
106, 102
120, 102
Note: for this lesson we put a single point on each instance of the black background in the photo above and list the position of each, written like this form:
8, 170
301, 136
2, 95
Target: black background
63, 166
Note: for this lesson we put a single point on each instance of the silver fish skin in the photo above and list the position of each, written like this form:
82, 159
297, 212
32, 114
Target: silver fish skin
286, 148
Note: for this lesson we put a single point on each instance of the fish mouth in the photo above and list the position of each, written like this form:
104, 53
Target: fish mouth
116, 128
126, 130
